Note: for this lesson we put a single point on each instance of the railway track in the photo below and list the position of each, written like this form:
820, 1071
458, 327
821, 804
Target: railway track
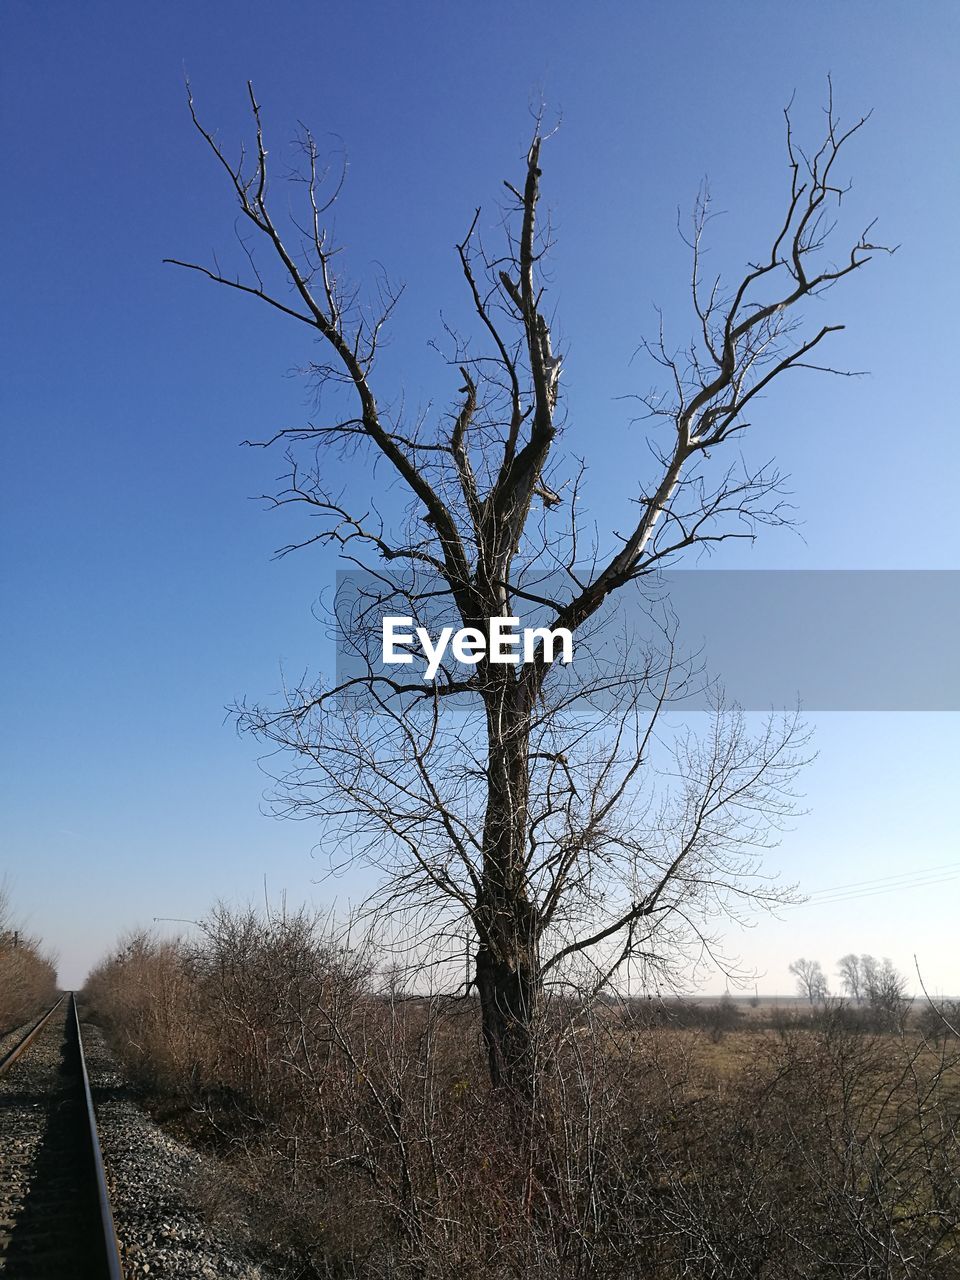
55, 1217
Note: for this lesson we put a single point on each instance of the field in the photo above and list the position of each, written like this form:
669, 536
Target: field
710, 1139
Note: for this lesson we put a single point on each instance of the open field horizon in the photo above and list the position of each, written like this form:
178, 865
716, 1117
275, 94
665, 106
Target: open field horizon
479, 563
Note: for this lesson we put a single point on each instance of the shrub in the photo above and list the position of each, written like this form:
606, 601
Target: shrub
362, 1123
28, 978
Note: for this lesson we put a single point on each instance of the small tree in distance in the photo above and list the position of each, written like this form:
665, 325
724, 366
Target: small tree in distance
885, 990
811, 980
851, 976
509, 801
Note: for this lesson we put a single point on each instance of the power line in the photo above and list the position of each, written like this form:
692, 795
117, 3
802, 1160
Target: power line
873, 893
900, 875
856, 890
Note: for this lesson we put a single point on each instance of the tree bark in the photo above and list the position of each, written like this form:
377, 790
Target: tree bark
508, 977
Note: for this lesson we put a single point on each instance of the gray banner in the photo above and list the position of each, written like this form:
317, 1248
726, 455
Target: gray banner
832, 640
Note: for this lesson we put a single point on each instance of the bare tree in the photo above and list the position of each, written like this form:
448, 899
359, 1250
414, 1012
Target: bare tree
530, 805
885, 989
851, 976
811, 980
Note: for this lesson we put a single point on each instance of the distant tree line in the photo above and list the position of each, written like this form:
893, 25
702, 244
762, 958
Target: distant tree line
874, 986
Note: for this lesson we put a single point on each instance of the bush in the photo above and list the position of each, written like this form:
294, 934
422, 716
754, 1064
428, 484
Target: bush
939, 1020
28, 979
362, 1123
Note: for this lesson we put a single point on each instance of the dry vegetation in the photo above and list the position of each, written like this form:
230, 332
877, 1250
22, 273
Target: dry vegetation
28, 978
667, 1143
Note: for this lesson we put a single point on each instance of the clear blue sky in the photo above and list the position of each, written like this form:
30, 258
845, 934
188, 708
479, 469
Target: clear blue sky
139, 594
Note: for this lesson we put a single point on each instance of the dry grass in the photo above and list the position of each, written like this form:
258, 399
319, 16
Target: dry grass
364, 1128
28, 979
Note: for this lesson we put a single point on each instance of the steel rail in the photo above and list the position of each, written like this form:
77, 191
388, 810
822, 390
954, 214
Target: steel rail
108, 1247
9, 1059
111, 1246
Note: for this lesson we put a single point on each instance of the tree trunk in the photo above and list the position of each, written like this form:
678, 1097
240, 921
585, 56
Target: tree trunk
508, 961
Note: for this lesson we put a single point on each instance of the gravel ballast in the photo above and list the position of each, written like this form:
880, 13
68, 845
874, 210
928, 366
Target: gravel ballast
177, 1212
156, 1183
23, 1124
10, 1039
